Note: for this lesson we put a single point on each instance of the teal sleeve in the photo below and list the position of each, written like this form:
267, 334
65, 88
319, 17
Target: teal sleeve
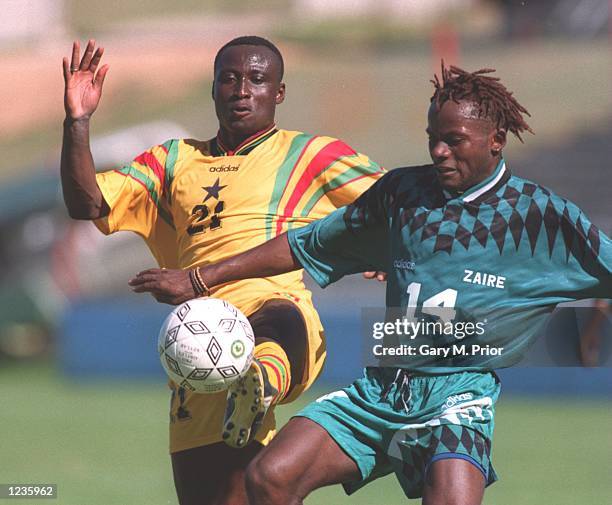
591, 259
349, 240
579, 266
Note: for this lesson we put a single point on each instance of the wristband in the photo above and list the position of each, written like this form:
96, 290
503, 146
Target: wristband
199, 286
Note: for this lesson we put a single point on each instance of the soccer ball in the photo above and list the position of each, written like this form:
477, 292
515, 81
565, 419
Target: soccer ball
206, 344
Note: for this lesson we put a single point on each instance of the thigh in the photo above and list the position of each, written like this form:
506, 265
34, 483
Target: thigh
355, 418
212, 474
306, 457
453, 482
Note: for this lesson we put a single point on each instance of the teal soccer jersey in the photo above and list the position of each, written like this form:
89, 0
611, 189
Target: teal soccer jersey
502, 254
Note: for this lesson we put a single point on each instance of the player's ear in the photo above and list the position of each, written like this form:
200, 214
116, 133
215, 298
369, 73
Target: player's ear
498, 141
280, 94
212, 90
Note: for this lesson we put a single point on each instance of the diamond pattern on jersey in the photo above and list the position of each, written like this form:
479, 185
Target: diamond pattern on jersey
418, 221
533, 223
519, 213
516, 225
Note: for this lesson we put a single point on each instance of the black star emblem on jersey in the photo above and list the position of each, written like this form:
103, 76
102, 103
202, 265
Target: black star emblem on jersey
213, 191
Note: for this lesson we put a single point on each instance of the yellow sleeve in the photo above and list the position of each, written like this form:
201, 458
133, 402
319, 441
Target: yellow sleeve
136, 194
339, 174
349, 176
330, 174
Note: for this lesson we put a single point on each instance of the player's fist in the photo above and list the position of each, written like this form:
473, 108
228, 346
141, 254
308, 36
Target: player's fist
167, 286
83, 81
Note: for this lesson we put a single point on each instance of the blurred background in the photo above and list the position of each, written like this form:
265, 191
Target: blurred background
83, 398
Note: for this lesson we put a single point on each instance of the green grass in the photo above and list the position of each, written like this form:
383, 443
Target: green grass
107, 444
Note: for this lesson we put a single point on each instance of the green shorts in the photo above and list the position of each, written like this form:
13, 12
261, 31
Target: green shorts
394, 421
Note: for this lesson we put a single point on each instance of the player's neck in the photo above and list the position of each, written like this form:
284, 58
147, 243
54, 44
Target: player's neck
230, 141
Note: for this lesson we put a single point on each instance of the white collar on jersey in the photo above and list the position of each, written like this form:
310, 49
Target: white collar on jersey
482, 187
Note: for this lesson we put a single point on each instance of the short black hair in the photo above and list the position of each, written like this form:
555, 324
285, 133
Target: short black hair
252, 40
495, 101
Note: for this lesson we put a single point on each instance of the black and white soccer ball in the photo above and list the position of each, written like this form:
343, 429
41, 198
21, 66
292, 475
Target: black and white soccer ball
206, 344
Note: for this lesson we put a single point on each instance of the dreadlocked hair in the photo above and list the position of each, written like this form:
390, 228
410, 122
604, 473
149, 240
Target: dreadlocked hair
495, 101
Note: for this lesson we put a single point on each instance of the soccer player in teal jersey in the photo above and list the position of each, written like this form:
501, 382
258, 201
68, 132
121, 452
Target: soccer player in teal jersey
464, 234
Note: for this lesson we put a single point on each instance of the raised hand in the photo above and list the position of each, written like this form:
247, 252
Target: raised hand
83, 86
166, 286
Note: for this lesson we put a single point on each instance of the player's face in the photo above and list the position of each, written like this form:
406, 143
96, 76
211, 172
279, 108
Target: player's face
246, 90
465, 149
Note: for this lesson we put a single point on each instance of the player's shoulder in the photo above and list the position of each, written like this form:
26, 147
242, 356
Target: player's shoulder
175, 155
402, 187
413, 177
521, 192
298, 133
317, 141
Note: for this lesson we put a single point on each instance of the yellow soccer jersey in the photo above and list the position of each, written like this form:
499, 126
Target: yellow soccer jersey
195, 202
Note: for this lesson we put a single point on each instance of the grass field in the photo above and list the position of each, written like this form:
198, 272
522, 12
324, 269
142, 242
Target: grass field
106, 444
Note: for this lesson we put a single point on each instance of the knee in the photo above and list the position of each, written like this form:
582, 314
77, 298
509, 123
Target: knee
264, 482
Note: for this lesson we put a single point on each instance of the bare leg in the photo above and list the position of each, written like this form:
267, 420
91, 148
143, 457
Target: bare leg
212, 474
453, 482
303, 457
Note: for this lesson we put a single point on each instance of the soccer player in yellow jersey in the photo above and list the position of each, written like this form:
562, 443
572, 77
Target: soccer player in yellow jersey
200, 202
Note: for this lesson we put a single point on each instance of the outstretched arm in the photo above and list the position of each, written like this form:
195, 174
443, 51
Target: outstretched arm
174, 286
271, 258
349, 240
82, 93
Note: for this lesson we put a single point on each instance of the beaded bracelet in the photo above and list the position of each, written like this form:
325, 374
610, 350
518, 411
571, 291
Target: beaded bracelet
199, 286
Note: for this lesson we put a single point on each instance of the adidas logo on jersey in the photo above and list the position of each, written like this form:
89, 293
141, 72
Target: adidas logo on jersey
224, 168
404, 264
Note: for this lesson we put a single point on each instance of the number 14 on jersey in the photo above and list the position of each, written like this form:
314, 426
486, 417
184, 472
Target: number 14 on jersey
440, 305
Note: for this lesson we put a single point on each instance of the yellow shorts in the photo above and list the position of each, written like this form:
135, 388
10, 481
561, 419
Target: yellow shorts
197, 419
